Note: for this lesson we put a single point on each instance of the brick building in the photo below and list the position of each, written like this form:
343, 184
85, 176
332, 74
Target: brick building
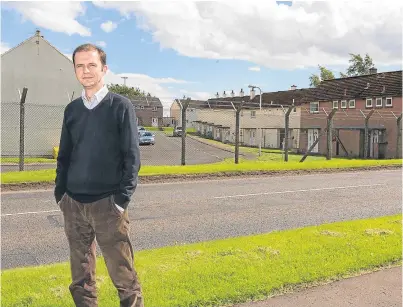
149, 111
378, 95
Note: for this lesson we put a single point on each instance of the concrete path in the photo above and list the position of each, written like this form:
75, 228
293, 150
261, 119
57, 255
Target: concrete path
379, 289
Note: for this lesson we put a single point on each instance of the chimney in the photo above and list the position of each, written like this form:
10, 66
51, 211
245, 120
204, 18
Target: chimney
293, 87
373, 71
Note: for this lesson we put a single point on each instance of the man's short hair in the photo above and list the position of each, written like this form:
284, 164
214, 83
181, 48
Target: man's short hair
91, 47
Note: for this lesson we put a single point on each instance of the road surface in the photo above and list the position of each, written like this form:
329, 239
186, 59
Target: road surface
166, 151
166, 214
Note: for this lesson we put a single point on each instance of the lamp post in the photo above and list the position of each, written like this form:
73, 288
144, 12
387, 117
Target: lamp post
252, 95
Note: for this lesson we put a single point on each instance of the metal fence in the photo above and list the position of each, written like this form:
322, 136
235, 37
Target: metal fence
214, 132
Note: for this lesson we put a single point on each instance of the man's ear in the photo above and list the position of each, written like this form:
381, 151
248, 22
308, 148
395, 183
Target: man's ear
105, 68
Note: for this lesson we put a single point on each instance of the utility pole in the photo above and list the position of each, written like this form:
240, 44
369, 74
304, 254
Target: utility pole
124, 80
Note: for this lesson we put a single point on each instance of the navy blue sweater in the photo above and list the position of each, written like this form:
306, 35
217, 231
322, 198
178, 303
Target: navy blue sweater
99, 151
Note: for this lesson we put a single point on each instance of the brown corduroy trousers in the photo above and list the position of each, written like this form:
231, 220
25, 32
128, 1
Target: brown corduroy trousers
100, 220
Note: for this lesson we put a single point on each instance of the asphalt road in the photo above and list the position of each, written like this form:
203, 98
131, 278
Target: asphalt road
176, 213
166, 151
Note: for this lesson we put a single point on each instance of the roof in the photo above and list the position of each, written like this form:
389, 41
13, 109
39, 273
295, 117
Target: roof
359, 87
40, 37
147, 101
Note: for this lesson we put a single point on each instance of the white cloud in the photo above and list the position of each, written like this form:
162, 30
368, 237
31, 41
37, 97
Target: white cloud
4, 47
108, 26
101, 44
305, 34
56, 16
255, 68
155, 86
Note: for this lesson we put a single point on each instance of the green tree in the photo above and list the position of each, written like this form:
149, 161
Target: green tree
129, 92
324, 74
358, 65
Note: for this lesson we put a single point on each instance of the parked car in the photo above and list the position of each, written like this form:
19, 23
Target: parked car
141, 129
147, 138
177, 131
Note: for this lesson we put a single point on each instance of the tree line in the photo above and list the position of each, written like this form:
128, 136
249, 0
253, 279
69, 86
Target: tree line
358, 66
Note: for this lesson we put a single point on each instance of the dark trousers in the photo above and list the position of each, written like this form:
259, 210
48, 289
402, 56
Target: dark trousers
103, 221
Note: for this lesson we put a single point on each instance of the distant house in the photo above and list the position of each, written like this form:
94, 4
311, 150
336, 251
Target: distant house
168, 121
49, 76
149, 111
191, 112
217, 119
353, 98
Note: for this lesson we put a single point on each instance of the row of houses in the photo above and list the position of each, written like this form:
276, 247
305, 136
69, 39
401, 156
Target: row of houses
49, 76
376, 96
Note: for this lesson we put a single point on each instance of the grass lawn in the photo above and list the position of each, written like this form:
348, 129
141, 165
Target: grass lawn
245, 149
225, 166
227, 271
27, 160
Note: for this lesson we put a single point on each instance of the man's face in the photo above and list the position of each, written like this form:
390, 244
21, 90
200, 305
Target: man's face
89, 69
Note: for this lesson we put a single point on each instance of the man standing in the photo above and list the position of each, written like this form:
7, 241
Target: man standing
97, 171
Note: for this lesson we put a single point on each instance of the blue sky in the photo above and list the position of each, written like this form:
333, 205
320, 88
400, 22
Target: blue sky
169, 53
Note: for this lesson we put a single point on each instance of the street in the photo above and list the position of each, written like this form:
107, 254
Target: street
166, 151
178, 213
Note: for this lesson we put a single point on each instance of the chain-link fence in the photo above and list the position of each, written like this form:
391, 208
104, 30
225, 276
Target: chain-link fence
217, 130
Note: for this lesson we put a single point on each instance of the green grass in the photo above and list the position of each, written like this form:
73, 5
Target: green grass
27, 160
219, 167
227, 271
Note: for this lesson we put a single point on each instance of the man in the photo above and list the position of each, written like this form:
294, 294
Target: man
97, 171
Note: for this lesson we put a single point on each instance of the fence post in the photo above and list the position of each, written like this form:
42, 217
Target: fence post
237, 125
399, 137
366, 131
22, 128
287, 128
329, 152
184, 106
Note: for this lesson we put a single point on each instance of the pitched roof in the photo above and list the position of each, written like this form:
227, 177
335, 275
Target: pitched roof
40, 38
360, 87
147, 101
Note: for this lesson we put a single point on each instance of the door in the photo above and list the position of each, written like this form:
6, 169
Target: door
313, 135
154, 122
252, 137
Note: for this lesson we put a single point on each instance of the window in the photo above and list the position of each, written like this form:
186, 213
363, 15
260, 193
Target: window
155, 108
368, 103
388, 102
142, 107
379, 102
252, 114
314, 107
335, 104
295, 110
351, 104
344, 104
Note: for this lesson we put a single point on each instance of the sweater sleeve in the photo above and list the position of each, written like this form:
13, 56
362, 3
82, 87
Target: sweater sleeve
129, 146
63, 161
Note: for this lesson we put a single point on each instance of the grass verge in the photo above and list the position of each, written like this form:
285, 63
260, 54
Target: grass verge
226, 166
228, 271
27, 160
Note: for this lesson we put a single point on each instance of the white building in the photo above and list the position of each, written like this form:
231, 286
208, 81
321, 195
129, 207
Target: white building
49, 76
